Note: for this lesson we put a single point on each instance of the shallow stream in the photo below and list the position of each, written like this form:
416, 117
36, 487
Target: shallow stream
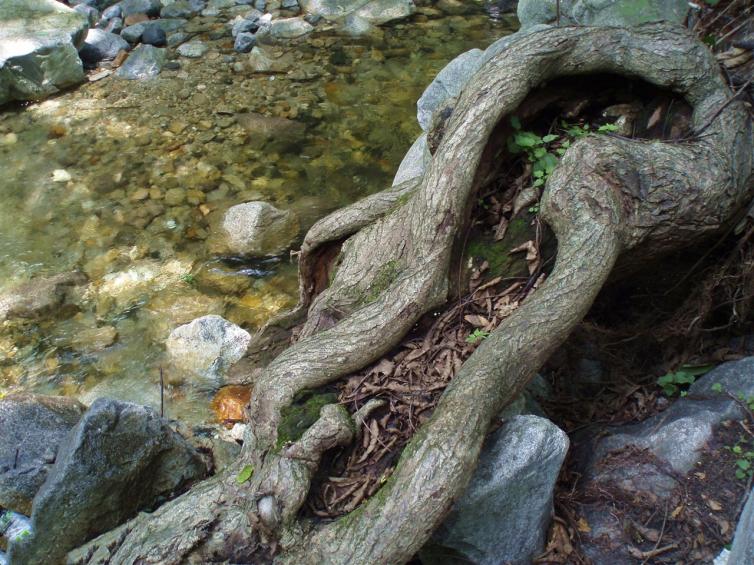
124, 180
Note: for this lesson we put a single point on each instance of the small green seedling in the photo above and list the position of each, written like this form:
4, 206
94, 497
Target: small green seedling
673, 383
477, 335
189, 279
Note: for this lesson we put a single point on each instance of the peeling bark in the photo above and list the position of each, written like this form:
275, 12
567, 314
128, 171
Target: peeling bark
610, 202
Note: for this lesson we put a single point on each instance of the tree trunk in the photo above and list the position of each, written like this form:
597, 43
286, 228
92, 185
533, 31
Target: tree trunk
611, 201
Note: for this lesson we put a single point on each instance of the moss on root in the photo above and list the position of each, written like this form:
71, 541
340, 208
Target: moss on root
300, 416
497, 253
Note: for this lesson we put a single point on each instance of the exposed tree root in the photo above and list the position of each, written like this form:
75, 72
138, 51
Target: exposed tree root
611, 201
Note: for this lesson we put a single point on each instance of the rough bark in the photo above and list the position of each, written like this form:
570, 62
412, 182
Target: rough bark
609, 201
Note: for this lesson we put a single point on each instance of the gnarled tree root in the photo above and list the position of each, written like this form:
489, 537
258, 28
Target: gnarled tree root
611, 201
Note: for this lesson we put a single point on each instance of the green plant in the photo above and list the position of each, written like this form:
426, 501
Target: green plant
744, 459
544, 152
477, 335
673, 383
536, 149
189, 279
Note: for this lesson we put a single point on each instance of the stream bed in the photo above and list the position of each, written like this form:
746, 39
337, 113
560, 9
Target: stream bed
124, 181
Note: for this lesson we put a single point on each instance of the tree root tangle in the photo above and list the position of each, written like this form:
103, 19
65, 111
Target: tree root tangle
611, 203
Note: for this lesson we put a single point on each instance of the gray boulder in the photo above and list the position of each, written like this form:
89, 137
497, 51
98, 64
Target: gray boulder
207, 346
39, 41
244, 42
133, 33
331, 9
415, 162
378, 12
32, 428
375, 12
504, 515
91, 13
448, 83
146, 61
148, 7
283, 30
620, 13
645, 461
255, 229
39, 296
678, 435
183, 9
743, 542
192, 49
119, 459
101, 45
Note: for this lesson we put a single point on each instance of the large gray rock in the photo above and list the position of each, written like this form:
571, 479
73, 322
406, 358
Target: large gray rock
255, 229
32, 428
378, 12
146, 61
284, 29
415, 161
133, 33
648, 461
743, 542
504, 515
101, 45
331, 9
183, 9
148, 7
678, 435
39, 296
602, 12
207, 346
119, 459
374, 11
39, 41
448, 83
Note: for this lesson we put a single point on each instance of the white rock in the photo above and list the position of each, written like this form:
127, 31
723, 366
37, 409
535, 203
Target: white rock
61, 175
207, 346
255, 229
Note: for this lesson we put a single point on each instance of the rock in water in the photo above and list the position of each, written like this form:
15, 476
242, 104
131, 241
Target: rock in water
119, 459
375, 11
504, 515
32, 428
619, 13
39, 296
207, 346
39, 41
154, 35
146, 61
283, 30
148, 7
255, 229
192, 49
101, 45
378, 12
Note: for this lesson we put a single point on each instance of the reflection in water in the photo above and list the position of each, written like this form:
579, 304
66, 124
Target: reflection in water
125, 181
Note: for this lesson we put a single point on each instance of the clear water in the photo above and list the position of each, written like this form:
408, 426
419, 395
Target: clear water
152, 166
